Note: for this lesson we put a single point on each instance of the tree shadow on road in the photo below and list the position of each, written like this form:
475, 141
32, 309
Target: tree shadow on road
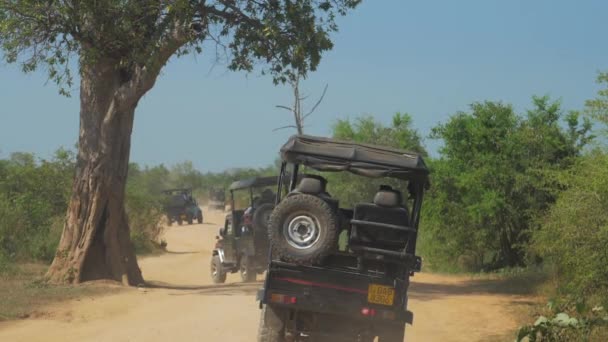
515, 286
182, 252
211, 290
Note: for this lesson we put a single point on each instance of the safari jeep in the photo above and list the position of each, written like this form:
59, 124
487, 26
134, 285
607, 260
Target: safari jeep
338, 271
242, 244
180, 206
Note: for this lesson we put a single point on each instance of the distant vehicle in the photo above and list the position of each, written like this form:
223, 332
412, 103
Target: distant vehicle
217, 199
242, 244
180, 206
341, 274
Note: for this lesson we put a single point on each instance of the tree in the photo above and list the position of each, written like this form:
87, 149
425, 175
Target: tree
495, 178
184, 175
119, 48
574, 233
400, 134
598, 107
298, 115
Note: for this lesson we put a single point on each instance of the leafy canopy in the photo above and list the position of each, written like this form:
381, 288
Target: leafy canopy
494, 179
574, 233
352, 189
141, 35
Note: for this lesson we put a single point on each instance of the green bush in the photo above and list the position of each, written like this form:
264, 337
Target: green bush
492, 182
33, 201
34, 195
145, 218
6, 266
44, 244
584, 324
352, 189
573, 238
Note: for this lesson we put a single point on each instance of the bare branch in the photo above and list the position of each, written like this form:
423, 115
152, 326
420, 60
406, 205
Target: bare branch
318, 102
284, 127
285, 107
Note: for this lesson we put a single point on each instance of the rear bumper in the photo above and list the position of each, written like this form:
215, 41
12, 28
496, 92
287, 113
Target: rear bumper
334, 293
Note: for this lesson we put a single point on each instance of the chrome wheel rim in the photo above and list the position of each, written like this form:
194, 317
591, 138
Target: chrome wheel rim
302, 231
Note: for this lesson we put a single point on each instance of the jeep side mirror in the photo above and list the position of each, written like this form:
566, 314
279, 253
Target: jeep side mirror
221, 231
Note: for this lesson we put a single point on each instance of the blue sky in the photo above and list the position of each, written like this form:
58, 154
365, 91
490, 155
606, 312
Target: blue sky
428, 58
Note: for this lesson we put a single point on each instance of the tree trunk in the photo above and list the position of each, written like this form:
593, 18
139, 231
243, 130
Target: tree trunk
95, 243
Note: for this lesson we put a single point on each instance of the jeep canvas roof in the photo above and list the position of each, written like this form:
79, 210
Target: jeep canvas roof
254, 183
325, 154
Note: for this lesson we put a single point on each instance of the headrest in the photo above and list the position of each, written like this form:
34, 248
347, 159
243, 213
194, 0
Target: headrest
312, 184
387, 198
267, 194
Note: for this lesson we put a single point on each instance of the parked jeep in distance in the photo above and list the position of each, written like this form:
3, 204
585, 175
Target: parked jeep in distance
180, 206
242, 244
317, 289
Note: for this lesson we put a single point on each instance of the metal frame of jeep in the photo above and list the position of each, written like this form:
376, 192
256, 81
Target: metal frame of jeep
362, 290
233, 245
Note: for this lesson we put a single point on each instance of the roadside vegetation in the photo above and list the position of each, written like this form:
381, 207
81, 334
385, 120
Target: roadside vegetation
519, 196
34, 195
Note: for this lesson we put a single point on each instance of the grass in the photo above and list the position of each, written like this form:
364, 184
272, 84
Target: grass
23, 291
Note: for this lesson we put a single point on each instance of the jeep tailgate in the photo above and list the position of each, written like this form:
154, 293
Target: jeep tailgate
335, 292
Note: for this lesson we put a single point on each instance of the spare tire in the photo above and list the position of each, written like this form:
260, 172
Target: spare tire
302, 229
261, 216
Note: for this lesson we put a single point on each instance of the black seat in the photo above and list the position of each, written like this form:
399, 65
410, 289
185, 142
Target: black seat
317, 186
383, 224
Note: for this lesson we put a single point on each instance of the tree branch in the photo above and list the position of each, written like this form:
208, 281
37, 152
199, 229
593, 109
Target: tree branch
285, 107
288, 126
177, 37
236, 15
318, 102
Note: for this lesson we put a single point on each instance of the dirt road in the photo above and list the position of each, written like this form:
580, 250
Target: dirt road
185, 306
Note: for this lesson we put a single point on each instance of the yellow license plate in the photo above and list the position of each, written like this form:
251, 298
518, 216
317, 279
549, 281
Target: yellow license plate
380, 294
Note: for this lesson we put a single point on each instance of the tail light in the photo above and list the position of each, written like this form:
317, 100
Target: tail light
282, 299
368, 312
384, 314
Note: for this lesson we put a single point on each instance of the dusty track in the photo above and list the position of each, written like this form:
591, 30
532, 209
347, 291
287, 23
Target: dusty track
183, 305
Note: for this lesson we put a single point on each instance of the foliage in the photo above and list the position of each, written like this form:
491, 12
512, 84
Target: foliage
598, 107
494, 179
144, 206
144, 34
574, 233
34, 195
399, 134
563, 327
32, 201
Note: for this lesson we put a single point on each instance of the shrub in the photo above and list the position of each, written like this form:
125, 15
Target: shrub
574, 234
145, 218
490, 185
584, 325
